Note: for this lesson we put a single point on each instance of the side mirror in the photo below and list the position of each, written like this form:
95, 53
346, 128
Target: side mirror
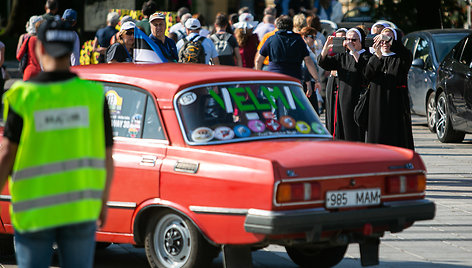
419, 63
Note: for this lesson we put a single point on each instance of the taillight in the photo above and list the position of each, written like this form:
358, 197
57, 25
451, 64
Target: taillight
298, 192
415, 183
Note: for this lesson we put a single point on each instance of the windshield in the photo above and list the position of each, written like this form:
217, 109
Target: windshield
231, 112
445, 42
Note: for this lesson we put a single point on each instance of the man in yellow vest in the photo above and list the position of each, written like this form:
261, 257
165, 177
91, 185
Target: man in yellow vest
57, 149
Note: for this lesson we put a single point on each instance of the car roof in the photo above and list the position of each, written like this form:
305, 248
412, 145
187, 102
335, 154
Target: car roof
440, 31
172, 76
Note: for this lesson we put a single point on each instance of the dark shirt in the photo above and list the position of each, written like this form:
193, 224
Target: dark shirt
104, 35
14, 123
119, 53
168, 48
286, 51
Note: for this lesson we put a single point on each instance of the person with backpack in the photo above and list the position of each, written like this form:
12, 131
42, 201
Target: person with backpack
195, 48
225, 43
29, 64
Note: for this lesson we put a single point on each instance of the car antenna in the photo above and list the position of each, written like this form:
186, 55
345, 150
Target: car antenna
440, 18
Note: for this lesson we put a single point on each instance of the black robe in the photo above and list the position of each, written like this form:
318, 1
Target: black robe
333, 125
351, 84
389, 109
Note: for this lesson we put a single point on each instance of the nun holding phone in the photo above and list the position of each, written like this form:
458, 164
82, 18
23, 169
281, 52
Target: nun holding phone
389, 120
350, 66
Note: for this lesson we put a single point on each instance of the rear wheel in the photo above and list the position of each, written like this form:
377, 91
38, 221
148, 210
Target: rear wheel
7, 246
316, 257
172, 241
431, 112
444, 130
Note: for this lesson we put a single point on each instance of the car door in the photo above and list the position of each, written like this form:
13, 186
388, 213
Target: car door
419, 81
139, 148
462, 75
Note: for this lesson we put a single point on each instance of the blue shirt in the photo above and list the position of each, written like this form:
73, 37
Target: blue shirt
168, 48
104, 35
286, 51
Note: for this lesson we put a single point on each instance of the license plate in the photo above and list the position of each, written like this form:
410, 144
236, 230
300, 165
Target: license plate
353, 198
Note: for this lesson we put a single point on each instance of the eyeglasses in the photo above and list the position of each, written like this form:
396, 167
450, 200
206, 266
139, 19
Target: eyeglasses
311, 36
129, 32
351, 39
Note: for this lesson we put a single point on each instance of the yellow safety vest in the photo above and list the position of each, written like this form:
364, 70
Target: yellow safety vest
59, 172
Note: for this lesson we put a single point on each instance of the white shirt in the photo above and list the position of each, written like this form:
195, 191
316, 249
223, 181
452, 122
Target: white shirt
179, 30
208, 46
75, 55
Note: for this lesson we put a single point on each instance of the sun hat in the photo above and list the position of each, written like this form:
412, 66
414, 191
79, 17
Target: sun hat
246, 20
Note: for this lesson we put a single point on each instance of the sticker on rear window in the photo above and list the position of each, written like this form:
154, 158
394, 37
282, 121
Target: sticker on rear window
188, 98
202, 134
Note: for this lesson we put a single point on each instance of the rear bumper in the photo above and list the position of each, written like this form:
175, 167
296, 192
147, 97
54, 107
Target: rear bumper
394, 215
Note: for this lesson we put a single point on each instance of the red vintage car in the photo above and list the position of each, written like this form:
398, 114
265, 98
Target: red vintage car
210, 158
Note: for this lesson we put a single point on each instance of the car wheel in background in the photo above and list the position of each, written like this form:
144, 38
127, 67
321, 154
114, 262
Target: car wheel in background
444, 130
172, 241
320, 257
431, 112
7, 246
102, 245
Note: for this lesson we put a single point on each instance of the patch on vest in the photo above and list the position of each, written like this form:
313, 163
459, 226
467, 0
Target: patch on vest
64, 118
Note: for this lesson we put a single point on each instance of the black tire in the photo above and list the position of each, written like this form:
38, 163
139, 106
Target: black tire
7, 246
316, 257
431, 112
102, 245
444, 130
173, 241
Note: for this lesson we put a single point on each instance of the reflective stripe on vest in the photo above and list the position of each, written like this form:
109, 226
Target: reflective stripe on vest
57, 168
56, 200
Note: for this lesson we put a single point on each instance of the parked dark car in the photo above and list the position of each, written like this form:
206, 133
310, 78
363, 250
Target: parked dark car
429, 47
454, 93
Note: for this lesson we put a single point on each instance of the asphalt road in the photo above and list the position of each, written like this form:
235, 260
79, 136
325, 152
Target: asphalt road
445, 241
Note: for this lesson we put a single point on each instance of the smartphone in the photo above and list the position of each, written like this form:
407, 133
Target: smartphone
369, 40
338, 46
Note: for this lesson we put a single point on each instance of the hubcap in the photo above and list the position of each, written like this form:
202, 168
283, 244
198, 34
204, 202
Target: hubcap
172, 241
441, 117
431, 112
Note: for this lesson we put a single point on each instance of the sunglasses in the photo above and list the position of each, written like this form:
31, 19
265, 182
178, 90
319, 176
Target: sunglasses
311, 36
351, 39
129, 32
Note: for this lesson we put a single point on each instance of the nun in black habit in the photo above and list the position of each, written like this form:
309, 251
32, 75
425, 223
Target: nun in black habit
331, 96
389, 119
350, 66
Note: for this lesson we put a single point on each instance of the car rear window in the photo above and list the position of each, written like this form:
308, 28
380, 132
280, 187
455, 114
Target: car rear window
445, 42
232, 112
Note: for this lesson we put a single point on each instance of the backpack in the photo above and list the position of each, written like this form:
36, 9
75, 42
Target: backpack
222, 45
24, 59
192, 51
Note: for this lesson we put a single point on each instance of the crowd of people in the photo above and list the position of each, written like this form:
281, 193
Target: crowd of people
287, 42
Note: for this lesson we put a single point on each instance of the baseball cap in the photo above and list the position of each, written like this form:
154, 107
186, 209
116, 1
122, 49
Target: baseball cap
193, 24
157, 16
69, 14
127, 26
56, 37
